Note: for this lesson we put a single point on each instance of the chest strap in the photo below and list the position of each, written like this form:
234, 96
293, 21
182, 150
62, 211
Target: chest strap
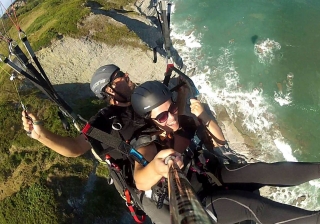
116, 143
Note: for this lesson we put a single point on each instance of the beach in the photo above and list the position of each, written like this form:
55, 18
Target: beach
70, 60
73, 61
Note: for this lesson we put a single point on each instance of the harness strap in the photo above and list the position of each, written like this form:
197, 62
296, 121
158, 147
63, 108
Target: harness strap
155, 55
143, 141
114, 142
102, 136
117, 173
187, 167
226, 156
193, 153
168, 74
130, 206
163, 192
213, 178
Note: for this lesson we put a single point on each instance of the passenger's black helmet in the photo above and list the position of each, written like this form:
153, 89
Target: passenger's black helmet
148, 96
101, 78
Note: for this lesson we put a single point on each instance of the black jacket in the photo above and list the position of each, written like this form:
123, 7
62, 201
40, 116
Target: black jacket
107, 117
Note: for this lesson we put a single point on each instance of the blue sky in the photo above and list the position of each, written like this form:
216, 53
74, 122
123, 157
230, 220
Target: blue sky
5, 3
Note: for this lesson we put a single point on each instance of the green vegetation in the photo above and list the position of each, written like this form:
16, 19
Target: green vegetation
60, 17
53, 18
27, 8
38, 185
34, 203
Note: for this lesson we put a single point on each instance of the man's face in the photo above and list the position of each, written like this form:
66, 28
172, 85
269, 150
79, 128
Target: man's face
122, 85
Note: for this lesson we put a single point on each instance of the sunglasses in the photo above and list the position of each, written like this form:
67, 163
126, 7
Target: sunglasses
163, 116
119, 74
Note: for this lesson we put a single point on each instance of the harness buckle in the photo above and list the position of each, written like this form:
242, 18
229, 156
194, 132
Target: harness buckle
189, 152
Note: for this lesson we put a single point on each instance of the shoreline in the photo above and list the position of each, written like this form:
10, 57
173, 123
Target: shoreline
79, 58
70, 60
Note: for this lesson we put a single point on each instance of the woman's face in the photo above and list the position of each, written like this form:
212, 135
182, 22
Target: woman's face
166, 116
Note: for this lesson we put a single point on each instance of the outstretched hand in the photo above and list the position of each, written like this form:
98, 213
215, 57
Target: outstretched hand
31, 124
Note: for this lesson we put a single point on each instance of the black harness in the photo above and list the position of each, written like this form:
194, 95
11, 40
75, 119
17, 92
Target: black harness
201, 159
116, 153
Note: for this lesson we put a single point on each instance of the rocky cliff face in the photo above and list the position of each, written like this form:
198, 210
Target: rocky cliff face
70, 60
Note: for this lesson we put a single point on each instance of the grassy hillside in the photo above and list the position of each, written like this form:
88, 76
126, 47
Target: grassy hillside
36, 184
49, 19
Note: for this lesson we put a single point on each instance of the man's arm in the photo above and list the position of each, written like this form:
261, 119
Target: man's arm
66, 146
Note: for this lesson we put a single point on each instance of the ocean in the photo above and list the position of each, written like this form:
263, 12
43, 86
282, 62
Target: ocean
260, 60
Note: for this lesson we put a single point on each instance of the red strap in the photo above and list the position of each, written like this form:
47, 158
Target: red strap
86, 128
169, 67
127, 194
129, 205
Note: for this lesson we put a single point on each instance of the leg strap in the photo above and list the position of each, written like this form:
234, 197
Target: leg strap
131, 208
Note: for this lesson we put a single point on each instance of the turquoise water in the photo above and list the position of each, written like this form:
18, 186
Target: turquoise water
261, 60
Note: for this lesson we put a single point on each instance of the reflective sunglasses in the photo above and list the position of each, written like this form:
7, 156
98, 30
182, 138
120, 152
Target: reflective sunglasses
119, 74
163, 116
113, 77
